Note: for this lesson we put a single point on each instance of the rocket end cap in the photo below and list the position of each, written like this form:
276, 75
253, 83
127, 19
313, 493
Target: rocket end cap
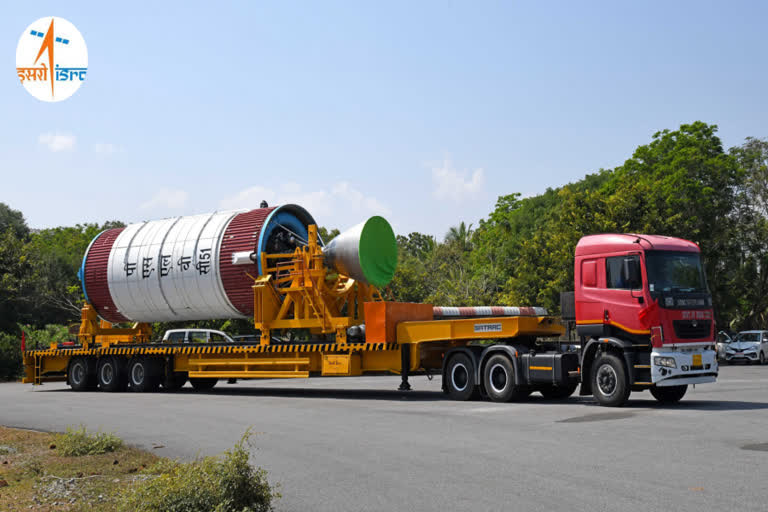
378, 251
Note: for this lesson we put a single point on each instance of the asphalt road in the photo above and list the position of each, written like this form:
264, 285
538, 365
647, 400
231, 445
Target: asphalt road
355, 445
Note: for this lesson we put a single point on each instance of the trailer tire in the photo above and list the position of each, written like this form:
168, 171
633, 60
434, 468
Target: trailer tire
558, 392
174, 381
459, 375
499, 380
669, 395
203, 383
111, 373
81, 374
610, 385
143, 376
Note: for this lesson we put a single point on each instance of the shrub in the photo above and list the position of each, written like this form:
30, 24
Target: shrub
10, 357
228, 483
77, 442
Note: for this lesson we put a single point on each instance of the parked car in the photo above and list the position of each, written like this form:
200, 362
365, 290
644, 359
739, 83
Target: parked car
748, 346
196, 336
723, 339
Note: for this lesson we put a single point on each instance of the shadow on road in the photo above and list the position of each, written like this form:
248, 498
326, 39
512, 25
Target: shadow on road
436, 396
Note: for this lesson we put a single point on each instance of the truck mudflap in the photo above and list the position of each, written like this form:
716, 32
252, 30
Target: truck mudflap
676, 367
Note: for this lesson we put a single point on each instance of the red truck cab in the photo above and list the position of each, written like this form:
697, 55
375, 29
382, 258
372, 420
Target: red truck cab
645, 299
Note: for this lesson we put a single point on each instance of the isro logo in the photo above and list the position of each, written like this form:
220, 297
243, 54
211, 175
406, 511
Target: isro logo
51, 59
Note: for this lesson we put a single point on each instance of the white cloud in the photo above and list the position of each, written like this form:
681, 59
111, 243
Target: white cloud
339, 206
57, 141
106, 148
168, 199
456, 185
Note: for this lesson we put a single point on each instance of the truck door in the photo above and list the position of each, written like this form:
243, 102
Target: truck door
624, 295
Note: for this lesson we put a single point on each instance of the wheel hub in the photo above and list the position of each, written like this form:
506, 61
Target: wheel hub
137, 375
459, 377
498, 378
77, 373
606, 379
107, 374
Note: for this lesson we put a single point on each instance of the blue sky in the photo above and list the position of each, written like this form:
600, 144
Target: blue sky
424, 112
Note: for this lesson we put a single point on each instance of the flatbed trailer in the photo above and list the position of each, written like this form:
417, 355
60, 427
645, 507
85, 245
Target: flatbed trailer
421, 347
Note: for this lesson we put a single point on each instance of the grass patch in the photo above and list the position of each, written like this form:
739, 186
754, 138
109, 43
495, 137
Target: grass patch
36, 474
78, 442
228, 483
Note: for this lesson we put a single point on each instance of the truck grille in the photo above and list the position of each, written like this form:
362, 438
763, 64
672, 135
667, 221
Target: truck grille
686, 330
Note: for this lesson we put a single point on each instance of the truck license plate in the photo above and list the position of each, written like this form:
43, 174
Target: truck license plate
696, 359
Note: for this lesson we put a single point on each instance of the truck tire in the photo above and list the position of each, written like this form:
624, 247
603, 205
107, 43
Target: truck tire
669, 395
203, 383
499, 380
111, 374
81, 374
174, 381
459, 377
143, 375
610, 385
558, 392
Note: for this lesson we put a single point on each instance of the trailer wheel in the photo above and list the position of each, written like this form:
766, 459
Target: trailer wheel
111, 374
558, 392
174, 381
459, 376
669, 395
81, 374
499, 380
203, 383
143, 375
609, 381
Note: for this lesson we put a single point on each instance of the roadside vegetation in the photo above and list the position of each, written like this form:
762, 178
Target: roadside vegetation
682, 183
79, 471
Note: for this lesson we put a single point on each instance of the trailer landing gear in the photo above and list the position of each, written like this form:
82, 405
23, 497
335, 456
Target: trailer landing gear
405, 366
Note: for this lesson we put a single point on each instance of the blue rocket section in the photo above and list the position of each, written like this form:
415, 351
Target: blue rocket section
290, 216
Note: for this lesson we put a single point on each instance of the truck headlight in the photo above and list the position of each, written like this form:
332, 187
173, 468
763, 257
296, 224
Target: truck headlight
669, 362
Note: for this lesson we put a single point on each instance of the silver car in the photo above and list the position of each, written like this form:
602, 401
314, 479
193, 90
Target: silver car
723, 340
748, 346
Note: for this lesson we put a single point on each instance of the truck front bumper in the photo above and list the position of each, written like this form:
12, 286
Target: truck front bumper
691, 366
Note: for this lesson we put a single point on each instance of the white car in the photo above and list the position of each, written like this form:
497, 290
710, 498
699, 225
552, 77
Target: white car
748, 346
196, 336
723, 340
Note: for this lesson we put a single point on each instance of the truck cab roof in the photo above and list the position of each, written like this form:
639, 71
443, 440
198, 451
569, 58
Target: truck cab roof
618, 242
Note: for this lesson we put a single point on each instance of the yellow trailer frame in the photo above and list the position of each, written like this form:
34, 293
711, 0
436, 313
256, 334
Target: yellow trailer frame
425, 342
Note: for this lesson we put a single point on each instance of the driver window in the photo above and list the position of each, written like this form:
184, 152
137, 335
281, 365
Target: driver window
614, 277
217, 338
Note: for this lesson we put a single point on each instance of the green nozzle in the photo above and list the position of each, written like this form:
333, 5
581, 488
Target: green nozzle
378, 251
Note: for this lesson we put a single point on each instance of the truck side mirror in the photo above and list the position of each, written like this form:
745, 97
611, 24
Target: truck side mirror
631, 272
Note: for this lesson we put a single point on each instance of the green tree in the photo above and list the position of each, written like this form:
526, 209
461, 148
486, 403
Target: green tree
13, 220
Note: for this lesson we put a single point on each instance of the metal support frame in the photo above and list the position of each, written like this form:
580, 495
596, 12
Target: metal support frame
405, 366
297, 291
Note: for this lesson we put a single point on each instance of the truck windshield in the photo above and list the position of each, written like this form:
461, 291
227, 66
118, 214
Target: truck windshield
670, 271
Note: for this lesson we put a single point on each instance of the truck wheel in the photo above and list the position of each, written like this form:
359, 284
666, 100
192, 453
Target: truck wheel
81, 374
142, 375
175, 381
558, 392
203, 383
499, 380
111, 374
459, 378
762, 358
609, 381
669, 395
